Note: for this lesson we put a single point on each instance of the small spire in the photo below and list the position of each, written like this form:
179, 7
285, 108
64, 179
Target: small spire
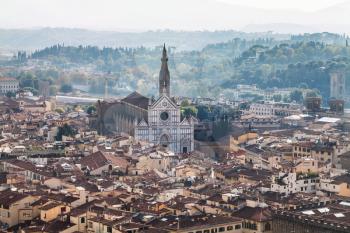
165, 56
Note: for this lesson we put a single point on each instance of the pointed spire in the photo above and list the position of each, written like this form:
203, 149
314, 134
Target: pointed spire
164, 75
164, 57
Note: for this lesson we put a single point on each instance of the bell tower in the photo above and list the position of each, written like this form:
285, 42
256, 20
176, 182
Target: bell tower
164, 75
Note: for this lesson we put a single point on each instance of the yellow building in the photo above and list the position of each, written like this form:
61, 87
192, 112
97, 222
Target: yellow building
15, 207
339, 185
306, 165
239, 137
52, 210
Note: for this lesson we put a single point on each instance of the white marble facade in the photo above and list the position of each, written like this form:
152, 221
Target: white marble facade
165, 128
164, 125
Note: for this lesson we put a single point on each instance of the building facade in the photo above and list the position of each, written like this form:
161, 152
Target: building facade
164, 125
8, 85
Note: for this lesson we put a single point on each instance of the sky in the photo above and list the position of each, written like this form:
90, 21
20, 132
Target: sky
303, 5
129, 15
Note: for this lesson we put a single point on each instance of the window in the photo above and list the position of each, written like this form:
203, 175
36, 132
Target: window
238, 227
109, 229
267, 227
229, 228
221, 229
198, 231
82, 220
27, 215
90, 225
164, 116
206, 231
214, 230
254, 227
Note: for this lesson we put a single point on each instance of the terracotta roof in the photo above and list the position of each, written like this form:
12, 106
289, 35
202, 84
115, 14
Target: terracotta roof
257, 214
94, 161
7, 79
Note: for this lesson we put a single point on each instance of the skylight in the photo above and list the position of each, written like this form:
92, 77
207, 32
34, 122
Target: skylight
345, 203
323, 210
308, 212
339, 215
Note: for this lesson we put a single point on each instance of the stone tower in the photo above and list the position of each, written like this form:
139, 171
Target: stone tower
338, 89
164, 75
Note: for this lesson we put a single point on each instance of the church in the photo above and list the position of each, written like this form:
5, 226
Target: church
163, 124
156, 121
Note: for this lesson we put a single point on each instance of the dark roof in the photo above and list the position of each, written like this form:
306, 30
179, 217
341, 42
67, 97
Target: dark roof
50, 206
58, 226
172, 222
342, 179
94, 161
254, 148
137, 99
83, 208
8, 197
257, 214
30, 167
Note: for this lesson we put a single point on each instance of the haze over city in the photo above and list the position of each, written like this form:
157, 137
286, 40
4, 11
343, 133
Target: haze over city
137, 15
174, 116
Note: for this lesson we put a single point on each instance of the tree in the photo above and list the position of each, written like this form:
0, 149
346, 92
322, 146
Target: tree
59, 110
65, 130
313, 93
203, 112
277, 98
296, 96
91, 109
244, 106
10, 94
185, 103
65, 88
189, 111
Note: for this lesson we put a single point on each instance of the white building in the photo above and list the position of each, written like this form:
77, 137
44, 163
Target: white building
262, 109
164, 126
8, 85
288, 183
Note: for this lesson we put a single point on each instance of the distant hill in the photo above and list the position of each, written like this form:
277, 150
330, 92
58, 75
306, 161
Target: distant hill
287, 28
32, 39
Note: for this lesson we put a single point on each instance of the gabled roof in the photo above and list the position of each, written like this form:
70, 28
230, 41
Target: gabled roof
94, 161
161, 99
185, 121
142, 123
137, 99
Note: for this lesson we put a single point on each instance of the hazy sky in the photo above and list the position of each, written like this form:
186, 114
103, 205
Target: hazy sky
303, 5
161, 14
